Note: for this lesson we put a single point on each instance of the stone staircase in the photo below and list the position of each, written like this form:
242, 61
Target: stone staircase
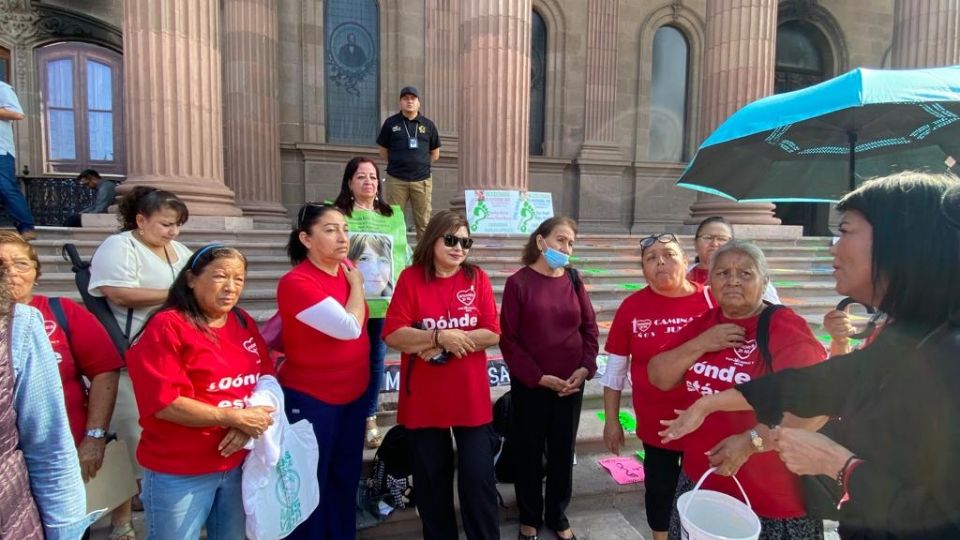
610, 267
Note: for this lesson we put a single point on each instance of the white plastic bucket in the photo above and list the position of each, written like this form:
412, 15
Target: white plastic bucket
711, 515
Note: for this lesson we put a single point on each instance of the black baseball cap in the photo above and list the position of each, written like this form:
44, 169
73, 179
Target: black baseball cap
409, 90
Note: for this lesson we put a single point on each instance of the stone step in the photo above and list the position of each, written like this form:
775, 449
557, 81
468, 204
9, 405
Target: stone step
201, 235
593, 490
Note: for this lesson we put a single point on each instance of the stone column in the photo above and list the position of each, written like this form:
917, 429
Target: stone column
442, 66
926, 33
739, 60
600, 162
251, 148
173, 101
494, 122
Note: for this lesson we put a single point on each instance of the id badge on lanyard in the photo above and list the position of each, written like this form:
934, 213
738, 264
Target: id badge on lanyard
412, 142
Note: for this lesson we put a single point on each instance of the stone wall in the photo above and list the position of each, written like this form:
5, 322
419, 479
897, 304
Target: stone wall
859, 31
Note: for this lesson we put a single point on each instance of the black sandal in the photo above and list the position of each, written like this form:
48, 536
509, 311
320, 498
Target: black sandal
521, 536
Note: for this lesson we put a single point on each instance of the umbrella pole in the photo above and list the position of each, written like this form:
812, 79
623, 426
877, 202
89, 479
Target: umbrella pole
852, 139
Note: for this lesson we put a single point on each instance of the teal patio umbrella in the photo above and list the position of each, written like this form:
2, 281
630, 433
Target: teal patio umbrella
818, 143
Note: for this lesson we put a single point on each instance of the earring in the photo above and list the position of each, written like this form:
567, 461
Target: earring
140, 232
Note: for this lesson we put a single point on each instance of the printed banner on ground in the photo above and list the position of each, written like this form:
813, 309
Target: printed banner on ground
507, 211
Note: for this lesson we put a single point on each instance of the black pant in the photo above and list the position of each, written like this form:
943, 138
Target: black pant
661, 469
433, 481
542, 419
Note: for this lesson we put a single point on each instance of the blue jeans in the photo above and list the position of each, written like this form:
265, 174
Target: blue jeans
177, 506
378, 350
339, 430
12, 197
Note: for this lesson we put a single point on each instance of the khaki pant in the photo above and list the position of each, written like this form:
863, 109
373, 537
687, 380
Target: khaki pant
419, 194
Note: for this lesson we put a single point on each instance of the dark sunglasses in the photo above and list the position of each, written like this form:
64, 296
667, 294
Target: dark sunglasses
302, 215
663, 238
450, 240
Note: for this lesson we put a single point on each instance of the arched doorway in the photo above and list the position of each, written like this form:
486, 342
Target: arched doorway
803, 59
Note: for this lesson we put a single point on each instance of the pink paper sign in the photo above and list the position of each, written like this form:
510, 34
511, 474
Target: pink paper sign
624, 470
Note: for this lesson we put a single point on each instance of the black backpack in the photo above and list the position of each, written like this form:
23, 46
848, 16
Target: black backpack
763, 333
97, 304
505, 452
819, 492
391, 476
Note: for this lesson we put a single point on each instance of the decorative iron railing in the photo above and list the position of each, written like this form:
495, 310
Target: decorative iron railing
52, 199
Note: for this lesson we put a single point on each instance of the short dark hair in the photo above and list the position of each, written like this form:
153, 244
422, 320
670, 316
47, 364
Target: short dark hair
88, 173
708, 221
904, 211
345, 198
444, 222
147, 200
181, 297
307, 217
531, 252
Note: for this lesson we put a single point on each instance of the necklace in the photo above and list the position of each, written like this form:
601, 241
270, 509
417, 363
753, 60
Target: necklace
363, 207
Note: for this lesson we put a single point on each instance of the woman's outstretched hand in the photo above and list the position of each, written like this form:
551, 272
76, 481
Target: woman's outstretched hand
684, 424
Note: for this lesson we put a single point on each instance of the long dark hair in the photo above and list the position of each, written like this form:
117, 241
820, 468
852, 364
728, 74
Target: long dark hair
148, 200
307, 217
444, 222
181, 297
345, 199
915, 249
531, 252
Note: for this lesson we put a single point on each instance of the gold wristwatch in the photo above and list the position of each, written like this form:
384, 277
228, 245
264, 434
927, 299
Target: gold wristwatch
756, 439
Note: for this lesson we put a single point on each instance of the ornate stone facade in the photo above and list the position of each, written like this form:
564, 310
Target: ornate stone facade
598, 83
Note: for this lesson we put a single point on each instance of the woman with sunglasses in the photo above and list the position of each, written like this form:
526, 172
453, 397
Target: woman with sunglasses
712, 233
643, 324
725, 346
443, 317
327, 367
197, 361
549, 343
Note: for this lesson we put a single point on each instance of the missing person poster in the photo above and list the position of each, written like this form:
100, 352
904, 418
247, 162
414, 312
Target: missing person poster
507, 211
379, 250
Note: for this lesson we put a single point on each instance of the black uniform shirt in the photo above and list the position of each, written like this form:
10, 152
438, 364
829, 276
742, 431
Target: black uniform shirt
404, 162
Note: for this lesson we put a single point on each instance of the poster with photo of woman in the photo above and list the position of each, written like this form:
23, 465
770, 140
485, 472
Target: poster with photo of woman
372, 254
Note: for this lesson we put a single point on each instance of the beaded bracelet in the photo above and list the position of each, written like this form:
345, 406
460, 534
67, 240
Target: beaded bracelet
842, 473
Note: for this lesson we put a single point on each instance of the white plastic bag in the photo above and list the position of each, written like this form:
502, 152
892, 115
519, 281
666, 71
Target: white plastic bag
280, 489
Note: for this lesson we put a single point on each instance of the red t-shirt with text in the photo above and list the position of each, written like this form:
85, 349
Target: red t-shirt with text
334, 371
643, 324
773, 490
699, 275
456, 393
217, 366
87, 353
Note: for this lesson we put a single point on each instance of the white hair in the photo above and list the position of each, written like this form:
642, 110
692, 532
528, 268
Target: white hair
748, 249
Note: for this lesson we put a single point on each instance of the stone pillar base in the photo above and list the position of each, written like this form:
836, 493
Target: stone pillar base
195, 223
449, 145
601, 197
768, 232
747, 213
202, 196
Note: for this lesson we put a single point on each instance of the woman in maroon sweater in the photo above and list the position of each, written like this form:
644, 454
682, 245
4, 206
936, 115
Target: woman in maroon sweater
549, 342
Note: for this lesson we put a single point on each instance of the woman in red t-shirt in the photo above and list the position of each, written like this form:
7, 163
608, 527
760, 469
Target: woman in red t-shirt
719, 350
327, 367
443, 317
83, 349
199, 357
646, 321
